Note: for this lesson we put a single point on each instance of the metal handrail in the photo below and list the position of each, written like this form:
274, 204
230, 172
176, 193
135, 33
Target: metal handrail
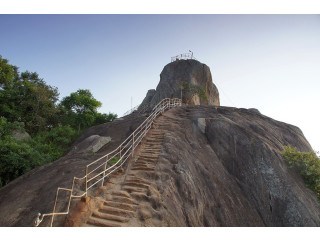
184, 56
100, 167
143, 109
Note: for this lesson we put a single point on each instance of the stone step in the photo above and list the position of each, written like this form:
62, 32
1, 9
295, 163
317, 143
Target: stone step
116, 211
156, 134
134, 189
161, 125
151, 160
120, 193
151, 152
140, 163
153, 142
146, 160
139, 185
144, 163
136, 180
143, 158
101, 222
155, 131
153, 149
155, 146
142, 169
154, 139
149, 155
124, 200
140, 196
152, 146
124, 206
110, 217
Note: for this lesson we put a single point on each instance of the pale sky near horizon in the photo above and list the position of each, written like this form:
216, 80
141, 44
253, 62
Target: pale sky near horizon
268, 62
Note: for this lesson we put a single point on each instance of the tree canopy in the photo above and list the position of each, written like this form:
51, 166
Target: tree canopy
6, 72
29, 104
27, 98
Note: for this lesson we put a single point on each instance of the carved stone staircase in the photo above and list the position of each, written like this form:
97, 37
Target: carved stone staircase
125, 193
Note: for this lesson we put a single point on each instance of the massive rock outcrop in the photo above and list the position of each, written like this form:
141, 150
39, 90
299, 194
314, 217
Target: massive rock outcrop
172, 78
225, 168
203, 165
216, 166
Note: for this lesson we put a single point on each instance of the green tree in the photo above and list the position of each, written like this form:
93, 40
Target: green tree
27, 98
81, 108
6, 72
18, 157
103, 118
28, 104
81, 101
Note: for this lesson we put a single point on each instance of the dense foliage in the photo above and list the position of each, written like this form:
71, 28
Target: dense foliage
29, 108
308, 165
80, 110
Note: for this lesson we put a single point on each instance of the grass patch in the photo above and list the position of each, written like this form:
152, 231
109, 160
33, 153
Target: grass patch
113, 161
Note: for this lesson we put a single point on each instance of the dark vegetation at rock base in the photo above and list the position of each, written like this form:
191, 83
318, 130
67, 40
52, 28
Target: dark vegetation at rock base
34, 128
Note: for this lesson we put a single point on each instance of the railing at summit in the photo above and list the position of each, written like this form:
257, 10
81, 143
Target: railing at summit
98, 170
183, 56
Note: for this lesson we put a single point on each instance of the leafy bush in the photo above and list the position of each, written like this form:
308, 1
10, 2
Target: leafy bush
103, 118
308, 165
18, 157
6, 128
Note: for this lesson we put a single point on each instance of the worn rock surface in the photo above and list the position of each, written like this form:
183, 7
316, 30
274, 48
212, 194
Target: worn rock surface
19, 135
216, 166
198, 166
232, 173
91, 144
190, 71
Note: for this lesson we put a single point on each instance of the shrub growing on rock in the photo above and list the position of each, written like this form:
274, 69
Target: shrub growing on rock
308, 165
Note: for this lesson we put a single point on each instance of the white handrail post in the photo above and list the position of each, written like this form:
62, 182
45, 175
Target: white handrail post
132, 143
120, 151
54, 207
104, 172
86, 179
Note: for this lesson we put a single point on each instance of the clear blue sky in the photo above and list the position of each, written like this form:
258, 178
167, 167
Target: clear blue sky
268, 62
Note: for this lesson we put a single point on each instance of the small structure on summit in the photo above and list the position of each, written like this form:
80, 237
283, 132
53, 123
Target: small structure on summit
183, 56
187, 79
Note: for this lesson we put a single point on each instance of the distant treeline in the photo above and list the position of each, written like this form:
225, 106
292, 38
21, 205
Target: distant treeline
35, 128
